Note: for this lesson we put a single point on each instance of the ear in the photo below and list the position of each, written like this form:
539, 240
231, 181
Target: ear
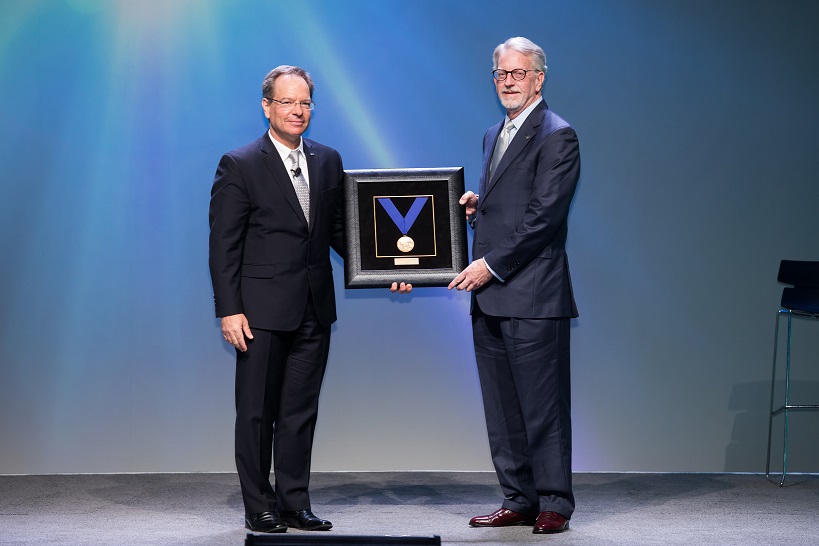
266, 107
540, 78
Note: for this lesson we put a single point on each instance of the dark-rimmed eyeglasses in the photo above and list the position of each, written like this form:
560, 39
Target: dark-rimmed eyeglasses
288, 105
517, 74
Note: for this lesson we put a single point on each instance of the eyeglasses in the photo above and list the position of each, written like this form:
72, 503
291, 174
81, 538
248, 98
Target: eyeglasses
517, 74
287, 105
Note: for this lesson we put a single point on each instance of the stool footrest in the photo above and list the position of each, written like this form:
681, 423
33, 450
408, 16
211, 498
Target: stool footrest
780, 409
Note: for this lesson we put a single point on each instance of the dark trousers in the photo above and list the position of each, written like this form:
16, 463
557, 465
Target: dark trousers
278, 381
523, 365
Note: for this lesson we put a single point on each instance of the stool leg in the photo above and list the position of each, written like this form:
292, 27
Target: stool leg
787, 401
773, 384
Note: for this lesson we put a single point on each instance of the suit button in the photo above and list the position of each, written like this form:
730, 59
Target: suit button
483, 211
309, 268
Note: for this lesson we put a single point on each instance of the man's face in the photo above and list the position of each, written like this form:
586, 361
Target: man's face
515, 95
288, 124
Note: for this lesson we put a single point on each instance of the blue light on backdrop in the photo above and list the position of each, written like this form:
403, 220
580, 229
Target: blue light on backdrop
696, 123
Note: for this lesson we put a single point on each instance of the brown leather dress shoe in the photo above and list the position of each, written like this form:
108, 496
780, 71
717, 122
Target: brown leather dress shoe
501, 518
550, 522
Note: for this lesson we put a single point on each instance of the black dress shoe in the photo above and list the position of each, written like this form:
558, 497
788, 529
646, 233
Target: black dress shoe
304, 520
265, 522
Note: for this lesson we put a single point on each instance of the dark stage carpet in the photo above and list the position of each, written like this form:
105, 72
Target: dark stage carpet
206, 509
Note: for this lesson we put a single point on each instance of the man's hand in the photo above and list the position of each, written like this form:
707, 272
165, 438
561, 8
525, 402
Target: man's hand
235, 328
471, 201
403, 288
473, 277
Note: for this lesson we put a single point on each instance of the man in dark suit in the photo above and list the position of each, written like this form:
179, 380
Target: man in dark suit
522, 298
275, 212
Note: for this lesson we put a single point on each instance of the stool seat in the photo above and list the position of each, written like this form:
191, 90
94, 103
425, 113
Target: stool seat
805, 300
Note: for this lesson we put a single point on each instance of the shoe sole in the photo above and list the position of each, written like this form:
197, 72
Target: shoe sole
316, 528
505, 525
276, 530
549, 531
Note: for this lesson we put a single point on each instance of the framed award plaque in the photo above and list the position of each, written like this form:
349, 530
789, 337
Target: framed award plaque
404, 225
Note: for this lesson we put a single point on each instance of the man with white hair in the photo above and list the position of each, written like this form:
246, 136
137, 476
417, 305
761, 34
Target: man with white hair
522, 301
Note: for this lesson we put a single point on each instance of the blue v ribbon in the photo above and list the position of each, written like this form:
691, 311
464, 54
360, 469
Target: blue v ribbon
404, 223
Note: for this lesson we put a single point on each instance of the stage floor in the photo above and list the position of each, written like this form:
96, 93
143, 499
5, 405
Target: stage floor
206, 509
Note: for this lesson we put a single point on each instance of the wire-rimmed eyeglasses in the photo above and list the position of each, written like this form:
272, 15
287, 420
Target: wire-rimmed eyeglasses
287, 105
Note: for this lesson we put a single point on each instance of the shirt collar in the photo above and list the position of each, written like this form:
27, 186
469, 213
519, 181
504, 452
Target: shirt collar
283, 150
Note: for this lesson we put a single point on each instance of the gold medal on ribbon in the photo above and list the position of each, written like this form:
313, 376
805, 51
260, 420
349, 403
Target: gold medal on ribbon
405, 244
404, 223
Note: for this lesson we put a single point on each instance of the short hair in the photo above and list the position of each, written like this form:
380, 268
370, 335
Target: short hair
524, 46
284, 70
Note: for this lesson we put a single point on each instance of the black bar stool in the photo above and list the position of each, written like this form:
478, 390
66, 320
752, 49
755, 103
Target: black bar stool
800, 300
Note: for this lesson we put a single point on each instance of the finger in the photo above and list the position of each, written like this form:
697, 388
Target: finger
409, 287
394, 287
246, 331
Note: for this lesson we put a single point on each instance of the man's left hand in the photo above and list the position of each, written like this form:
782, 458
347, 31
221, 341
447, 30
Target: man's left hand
473, 277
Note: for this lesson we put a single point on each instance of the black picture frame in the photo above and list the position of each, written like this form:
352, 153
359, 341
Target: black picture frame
424, 208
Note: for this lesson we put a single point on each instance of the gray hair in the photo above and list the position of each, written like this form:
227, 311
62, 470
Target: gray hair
269, 82
524, 46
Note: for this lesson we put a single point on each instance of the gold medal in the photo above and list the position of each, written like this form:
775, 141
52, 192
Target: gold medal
405, 244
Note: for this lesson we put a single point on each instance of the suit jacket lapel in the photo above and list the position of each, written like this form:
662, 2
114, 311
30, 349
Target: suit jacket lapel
488, 151
280, 176
521, 139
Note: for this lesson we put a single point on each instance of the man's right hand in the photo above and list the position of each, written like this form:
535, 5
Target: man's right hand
471, 201
235, 329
